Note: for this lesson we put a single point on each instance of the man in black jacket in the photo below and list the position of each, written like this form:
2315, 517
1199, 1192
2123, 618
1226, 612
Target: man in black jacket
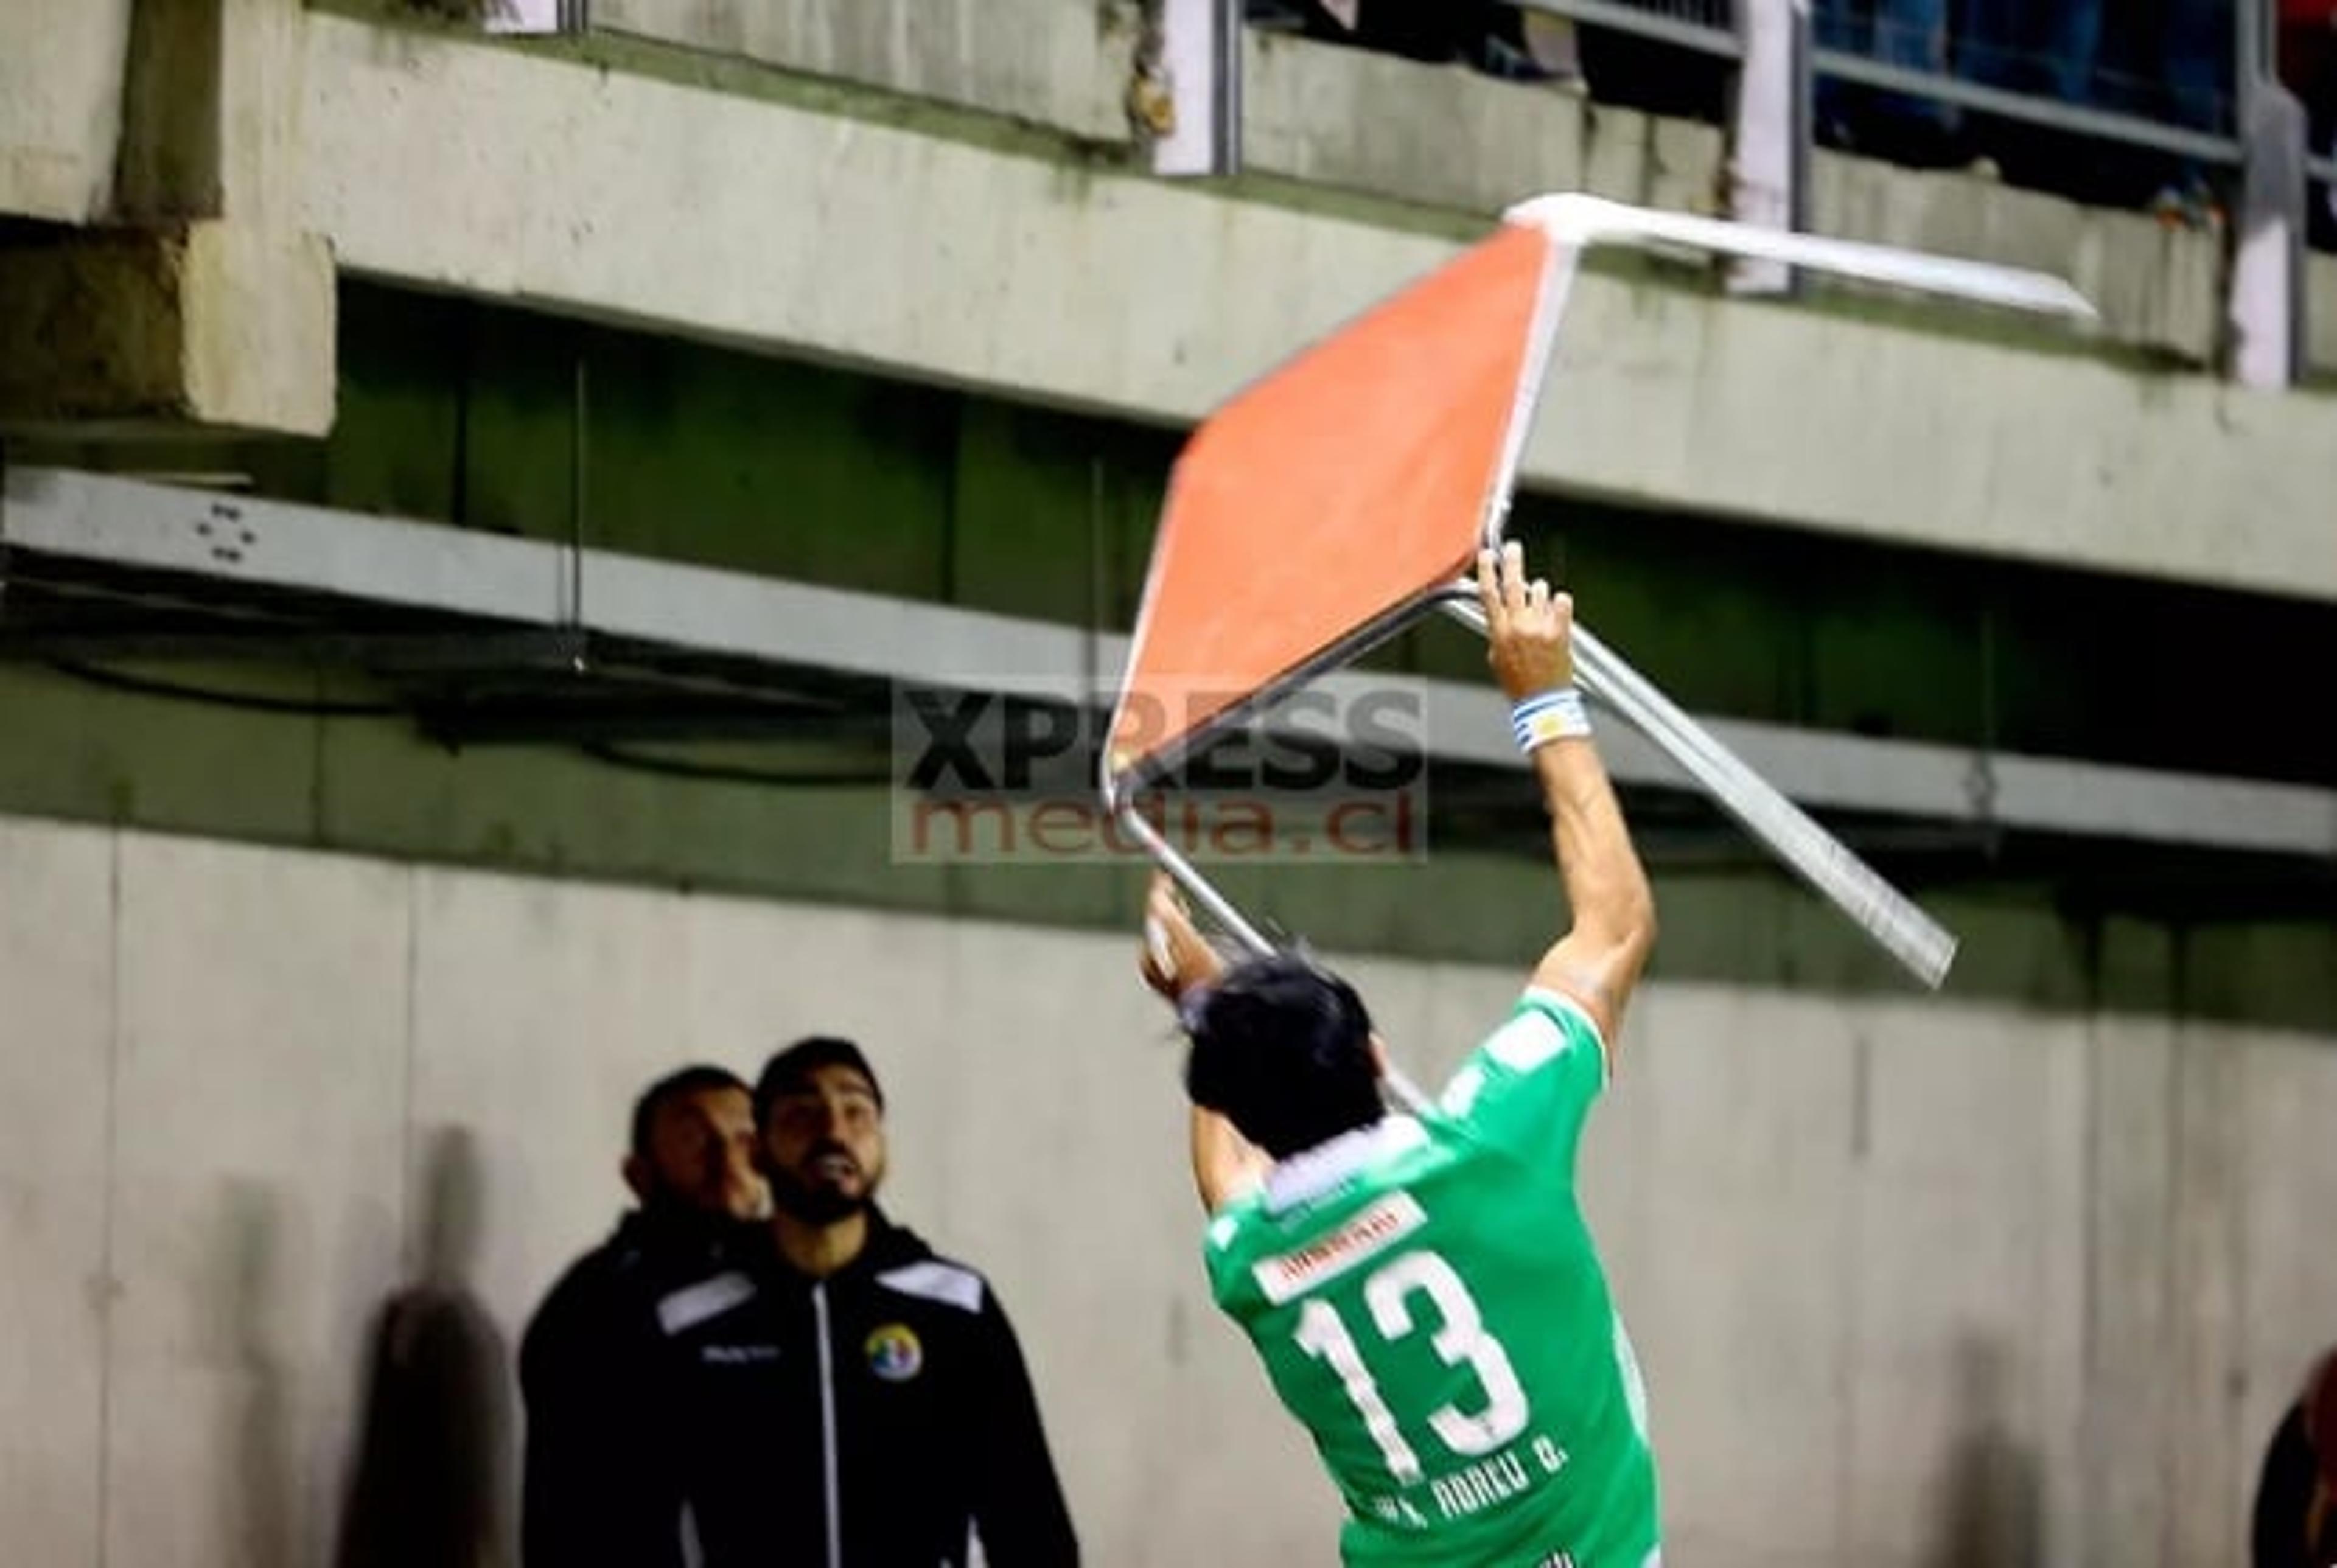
2296, 1523
865, 1404
603, 1488
826, 1392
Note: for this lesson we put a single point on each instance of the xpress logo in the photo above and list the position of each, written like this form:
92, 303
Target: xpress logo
1326, 775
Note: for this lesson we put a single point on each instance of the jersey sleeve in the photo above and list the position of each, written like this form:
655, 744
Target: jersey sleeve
1528, 1089
1226, 1251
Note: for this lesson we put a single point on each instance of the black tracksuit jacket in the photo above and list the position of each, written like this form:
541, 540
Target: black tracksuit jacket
875, 1418
602, 1483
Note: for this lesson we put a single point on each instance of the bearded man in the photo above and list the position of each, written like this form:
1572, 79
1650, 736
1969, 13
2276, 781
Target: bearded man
855, 1400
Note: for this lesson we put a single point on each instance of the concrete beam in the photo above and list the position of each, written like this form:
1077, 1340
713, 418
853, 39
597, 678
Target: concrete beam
1452, 138
215, 314
212, 110
168, 110
1447, 137
216, 326
741, 618
2158, 288
1443, 137
60, 67
1064, 63
778, 226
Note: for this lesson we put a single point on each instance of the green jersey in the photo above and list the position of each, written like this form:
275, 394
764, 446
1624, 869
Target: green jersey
1428, 1302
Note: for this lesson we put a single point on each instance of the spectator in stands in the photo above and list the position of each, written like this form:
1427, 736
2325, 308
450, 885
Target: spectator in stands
1518, 45
2042, 48
2308, 65
1526, 46
1490, 36
2046, 49
1658, 77
2170, 62
2195, 65
1911, 35
2193, 76
1436, 33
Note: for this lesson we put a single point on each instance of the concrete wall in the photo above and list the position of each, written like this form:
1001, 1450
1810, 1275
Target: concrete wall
60, 72
1352, 121
1448, 138
1064, 63
991, 233
2159, 288
1443, 137
454, 412
760, 221
1893, 1266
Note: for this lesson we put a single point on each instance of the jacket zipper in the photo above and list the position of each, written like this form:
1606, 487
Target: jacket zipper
827, 1429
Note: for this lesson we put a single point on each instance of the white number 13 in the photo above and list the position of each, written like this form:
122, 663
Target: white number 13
1459, 1337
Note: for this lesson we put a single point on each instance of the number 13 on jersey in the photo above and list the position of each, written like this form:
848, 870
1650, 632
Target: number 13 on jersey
1459, 1337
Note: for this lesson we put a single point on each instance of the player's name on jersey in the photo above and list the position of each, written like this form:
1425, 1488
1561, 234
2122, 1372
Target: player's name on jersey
1369, 1233
1474, 1488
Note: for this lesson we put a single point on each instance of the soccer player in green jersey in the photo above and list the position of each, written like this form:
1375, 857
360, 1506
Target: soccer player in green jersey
1422, 1288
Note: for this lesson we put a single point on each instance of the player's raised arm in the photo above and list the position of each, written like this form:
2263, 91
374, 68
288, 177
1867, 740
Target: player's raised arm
1176, 959
1530, 645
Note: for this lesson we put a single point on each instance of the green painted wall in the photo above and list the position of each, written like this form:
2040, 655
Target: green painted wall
459, 412
372, 786
500, 420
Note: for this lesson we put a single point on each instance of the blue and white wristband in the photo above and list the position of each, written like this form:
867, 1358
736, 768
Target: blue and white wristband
1557, 714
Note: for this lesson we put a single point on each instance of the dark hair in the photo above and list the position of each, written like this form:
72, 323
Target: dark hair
792, 1068
696, 1079
1283, 1047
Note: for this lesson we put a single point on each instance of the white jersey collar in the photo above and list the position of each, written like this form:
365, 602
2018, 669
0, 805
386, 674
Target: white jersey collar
1311, 1173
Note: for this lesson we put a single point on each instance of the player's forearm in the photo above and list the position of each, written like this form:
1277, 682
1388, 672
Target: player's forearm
1176, 962
1606, 887
1224, 1162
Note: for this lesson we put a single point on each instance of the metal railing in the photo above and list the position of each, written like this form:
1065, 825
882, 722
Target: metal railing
2246, 129
2321, 203
1781, 60
2046, 114
1713, 27
1706, 27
